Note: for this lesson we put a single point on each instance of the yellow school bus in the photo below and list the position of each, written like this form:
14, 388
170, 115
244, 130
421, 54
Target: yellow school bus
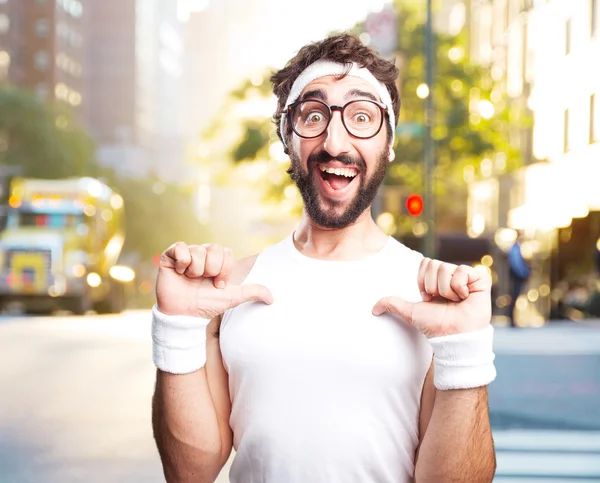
61, 245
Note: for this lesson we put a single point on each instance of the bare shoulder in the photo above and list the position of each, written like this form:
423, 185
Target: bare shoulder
241, 269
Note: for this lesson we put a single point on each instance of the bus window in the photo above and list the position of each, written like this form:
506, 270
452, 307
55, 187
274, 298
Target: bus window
44, 220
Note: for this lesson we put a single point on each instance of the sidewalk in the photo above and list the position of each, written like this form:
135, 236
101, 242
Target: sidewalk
502, 321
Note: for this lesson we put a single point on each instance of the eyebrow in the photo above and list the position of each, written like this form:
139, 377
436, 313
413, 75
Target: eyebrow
320, 94
360, 93
313, 94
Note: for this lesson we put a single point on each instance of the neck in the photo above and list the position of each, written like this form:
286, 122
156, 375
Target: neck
353, 242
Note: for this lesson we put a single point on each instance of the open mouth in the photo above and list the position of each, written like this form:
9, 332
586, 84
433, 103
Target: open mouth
337, 178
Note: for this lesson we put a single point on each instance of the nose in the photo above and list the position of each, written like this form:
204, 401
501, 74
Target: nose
337, 139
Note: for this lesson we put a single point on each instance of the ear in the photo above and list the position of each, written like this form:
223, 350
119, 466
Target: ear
392, 154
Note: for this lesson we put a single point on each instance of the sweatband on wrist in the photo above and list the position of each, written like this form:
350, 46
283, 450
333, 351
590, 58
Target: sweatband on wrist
178, 342
464, 361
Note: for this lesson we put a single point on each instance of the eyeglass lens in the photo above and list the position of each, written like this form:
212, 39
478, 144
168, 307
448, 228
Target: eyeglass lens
361, 118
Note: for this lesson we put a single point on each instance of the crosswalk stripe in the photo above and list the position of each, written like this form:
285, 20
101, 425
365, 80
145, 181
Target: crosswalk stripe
548, 340
547, 456
547, 440
543, 479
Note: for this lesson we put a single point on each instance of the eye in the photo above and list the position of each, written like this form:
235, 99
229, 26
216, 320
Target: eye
314, 117
361, 118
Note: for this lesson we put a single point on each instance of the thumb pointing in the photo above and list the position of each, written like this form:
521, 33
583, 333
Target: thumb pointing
255, 293
396, 306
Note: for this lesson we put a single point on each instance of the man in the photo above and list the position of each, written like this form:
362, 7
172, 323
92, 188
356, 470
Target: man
337, 355
519, 271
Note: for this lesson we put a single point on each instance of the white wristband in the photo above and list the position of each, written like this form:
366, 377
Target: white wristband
464, 361
178, 342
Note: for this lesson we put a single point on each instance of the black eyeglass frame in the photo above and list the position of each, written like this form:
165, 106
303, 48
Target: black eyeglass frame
291, 107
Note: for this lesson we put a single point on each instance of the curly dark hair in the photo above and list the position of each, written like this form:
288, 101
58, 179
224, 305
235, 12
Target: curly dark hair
344, 48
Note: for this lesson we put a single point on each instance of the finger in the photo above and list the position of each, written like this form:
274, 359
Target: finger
196, 267
421, 279
396, 306
177, 256
167, 258
444, 282
480, 279
222, 278
460, 281
254, 293
214, 260
431, 278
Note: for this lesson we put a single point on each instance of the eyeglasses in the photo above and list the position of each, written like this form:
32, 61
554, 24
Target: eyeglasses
361, 118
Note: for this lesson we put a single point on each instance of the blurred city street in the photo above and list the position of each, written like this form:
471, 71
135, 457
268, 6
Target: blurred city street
76, 401
129, 125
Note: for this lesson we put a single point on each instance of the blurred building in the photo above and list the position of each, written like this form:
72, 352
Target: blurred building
207, 75
134, 58
543, 55
42, 49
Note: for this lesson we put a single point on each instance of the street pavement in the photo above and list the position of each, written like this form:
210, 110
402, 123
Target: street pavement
545, 403
75, 401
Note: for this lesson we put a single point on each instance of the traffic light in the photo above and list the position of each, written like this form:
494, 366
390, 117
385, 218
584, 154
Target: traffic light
414, 204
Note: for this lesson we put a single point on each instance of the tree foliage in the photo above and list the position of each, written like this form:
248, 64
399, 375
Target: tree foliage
464, 133
157, 215
43, 140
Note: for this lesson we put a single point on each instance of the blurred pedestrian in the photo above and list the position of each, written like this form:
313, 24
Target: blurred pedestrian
597, 256
315, 359
519, 274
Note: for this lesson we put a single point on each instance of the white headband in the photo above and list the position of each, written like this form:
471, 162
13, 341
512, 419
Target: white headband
322, 68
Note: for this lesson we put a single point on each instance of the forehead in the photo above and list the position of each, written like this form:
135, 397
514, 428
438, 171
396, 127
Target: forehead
333, 88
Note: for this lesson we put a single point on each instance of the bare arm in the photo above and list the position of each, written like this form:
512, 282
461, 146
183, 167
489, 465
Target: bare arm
190, 419
456, 444
190, 412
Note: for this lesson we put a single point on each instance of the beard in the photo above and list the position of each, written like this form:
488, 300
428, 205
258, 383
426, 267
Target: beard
322, 211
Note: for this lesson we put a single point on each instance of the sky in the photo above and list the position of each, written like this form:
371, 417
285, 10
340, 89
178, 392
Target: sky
244, 38
269, 32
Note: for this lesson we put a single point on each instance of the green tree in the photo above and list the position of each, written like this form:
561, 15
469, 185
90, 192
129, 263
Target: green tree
473, 120
42, 139
46, 143
232, 140
157, 215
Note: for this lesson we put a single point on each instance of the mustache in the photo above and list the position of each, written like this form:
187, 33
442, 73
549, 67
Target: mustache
323, 157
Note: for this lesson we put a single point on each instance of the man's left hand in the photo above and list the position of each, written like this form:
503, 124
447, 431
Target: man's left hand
456, 299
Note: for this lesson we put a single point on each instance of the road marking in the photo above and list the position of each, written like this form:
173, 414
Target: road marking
133, 324
547, 456
561, 340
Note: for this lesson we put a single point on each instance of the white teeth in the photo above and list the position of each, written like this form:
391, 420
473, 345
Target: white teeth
348, 173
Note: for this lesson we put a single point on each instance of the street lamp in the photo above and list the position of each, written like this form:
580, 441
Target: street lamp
429, 213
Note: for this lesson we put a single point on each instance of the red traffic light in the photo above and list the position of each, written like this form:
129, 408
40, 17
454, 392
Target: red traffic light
414, 204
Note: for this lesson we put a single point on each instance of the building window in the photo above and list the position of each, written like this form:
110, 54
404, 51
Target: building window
41, 60
4, 23
4, 64
525, 53
42, 28
568, 36
593, 17
73, 7
42, 90
594, 124
566, 132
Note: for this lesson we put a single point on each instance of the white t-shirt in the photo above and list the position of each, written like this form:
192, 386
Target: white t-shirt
323, 391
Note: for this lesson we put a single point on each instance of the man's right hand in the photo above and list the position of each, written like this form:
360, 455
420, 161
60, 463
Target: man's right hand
193, 280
